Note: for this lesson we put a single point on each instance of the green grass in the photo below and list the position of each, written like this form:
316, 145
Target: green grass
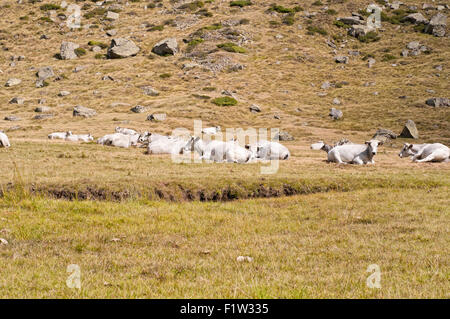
224, 101
310, 246
98, 43
231, 47
240, 3
49, 6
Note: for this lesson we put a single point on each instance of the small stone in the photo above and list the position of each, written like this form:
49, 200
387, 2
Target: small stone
83, 111
63, 93
336, 101
17, 100
255, 108
67, 50
341, 59
335, 114
13, 82
42, 109
110, 15
157, 117
45, 72
438, 102
244, 258
138, 109
165, 47
148, 90
11, 118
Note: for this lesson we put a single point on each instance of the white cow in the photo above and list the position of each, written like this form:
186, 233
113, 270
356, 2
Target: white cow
167, 145
80, 137
266, 150
4, 141
211, 130
219, 151
59, 135
116, 139
126, 131
354, 153
148, 137
435, 152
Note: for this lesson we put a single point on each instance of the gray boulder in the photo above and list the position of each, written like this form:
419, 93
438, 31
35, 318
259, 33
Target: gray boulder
283, 136
359, 30
336, 114
341, 59
148, 90
438, 102
437, 25
83, 111
17, 100
410, 130
43, 116
354, 20
13, 82
122, 48
138, 109
45, 72
165, 47
255, 108
42, 109
67, 50
384, 135
416, 18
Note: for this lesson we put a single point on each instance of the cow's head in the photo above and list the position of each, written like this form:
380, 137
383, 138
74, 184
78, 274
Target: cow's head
373, 146
69, 133
144, 137
406, 150
317, 146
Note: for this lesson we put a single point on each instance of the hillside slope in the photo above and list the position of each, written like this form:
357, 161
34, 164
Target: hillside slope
283, 64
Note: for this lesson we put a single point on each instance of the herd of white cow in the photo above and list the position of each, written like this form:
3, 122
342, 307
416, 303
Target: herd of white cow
343, 152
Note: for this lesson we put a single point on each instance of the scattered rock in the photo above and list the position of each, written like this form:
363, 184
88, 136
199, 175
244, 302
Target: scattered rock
138, 109
371, 62
110, 15
150, 91
157, 117
45, 72
341, 59
359, 30
13, 82
410, 130
283, 136
83, 111
165, 47
416, 18
63, 93
384, 135
438, 102
3, 241
122, 48
255, 108
354, 20
17, 100
335, 114
67, 50
437, 25
111, 33
11, 118
336, 101
413, 45
43, 117
325, 85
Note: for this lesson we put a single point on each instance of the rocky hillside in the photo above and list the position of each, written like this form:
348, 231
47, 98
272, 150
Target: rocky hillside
160, 64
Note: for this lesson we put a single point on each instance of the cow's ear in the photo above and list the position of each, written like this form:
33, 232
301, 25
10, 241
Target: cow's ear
197, 139
380, 143
367, 142
247, 146
410, 146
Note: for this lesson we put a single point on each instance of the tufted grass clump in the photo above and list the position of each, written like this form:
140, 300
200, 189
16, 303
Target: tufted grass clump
98, 43
388, 57
313, 30
240, 3
231, 47
95, 13
49, 6
371, 36
80, 52
192, 6
224, 101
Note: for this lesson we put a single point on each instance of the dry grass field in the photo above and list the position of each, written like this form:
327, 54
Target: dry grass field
141, 226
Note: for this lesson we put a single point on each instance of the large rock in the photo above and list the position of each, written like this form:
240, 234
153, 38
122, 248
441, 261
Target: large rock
148, 90
122, 48
283, 136
83, 111
416, 18
335, 114
111, 15
410, 130
437, 25
354, 20
359, 30
165, 47
384, 135
67, 50
45, 72
13, 82
438, 102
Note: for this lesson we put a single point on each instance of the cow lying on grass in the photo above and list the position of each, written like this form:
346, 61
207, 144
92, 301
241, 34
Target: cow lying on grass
354, 153
435, 152
4, 141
